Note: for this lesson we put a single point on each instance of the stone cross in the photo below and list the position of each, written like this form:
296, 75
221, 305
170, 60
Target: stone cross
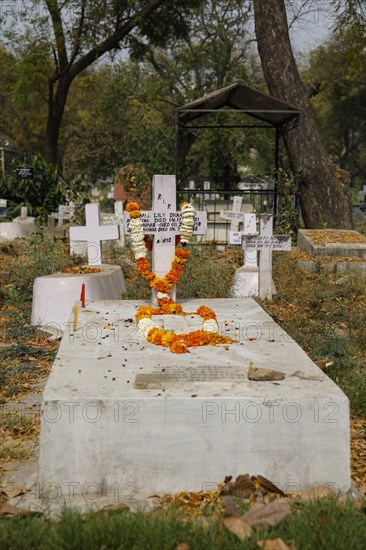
64, 213
117, 219
163, 221
234, 216
265, 243
363, 192
94, 233
191, 185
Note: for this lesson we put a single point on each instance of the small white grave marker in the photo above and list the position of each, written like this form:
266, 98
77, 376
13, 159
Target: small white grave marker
234, 216
362, 193
94, 233
206, 187
264, 243
163, 221
23, 213
64, 213
117, 219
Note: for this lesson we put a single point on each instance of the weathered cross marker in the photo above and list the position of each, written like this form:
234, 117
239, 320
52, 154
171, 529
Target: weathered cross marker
234, 216
64, 213
117, 219
163, 221
94, 233
264, 243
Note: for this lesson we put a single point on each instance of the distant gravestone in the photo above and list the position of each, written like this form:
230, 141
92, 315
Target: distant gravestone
264, 243
362, 203
23, 212
116, 219
206, 187
234, 216
3, 205
163, 221
93, 233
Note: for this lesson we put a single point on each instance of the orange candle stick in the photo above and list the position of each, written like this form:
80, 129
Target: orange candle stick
76, 311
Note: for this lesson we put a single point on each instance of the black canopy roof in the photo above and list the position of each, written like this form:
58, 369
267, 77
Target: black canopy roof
239, 97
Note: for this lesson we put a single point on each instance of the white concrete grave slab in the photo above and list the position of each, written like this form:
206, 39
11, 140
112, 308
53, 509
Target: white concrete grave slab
264, 243
93, 233
124, 417
163, 221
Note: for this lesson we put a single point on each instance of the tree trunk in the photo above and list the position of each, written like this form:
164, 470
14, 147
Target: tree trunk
326, 199
56, 108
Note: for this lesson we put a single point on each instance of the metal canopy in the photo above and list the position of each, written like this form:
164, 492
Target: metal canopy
240, 98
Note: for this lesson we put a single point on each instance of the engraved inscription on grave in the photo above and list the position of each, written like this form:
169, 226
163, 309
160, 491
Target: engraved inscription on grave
162, 377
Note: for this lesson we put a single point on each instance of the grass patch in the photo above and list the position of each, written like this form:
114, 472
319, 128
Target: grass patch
325, 314
323, 525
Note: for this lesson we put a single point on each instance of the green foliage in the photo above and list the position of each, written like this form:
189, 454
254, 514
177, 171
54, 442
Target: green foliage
340, 67
42, 194
322, 524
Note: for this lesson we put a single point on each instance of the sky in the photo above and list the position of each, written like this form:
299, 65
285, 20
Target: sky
311, 29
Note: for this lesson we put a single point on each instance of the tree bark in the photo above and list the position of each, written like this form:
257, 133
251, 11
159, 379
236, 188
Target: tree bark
326, 199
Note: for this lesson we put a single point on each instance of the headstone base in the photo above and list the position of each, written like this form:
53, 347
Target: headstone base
245, 282
10, 231
124, 417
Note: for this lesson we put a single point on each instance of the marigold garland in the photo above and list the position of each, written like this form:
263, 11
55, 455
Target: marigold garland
178, 343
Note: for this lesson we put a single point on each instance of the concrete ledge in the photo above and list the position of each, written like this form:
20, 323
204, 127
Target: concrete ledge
344, 250
334, 267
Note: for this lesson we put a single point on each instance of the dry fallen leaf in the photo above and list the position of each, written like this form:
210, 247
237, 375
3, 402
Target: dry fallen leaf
116, 507
239, 527
183, 546
231, 508
275, 544
12, 490
315, 493
7, 511
269, 516
324, 363
268, 485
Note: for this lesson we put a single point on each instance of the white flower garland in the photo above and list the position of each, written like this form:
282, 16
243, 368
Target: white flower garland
186, 229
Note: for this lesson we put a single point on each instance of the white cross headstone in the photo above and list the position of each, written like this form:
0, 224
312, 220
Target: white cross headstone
94, 233
234, 216
117, 219
64, 213
191, 185
362, 193
265, 243
247, 277
163, 221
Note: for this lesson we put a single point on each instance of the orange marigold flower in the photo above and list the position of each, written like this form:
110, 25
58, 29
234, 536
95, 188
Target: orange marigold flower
181, 253
168, 339
130, 206
178, 347
206, 313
